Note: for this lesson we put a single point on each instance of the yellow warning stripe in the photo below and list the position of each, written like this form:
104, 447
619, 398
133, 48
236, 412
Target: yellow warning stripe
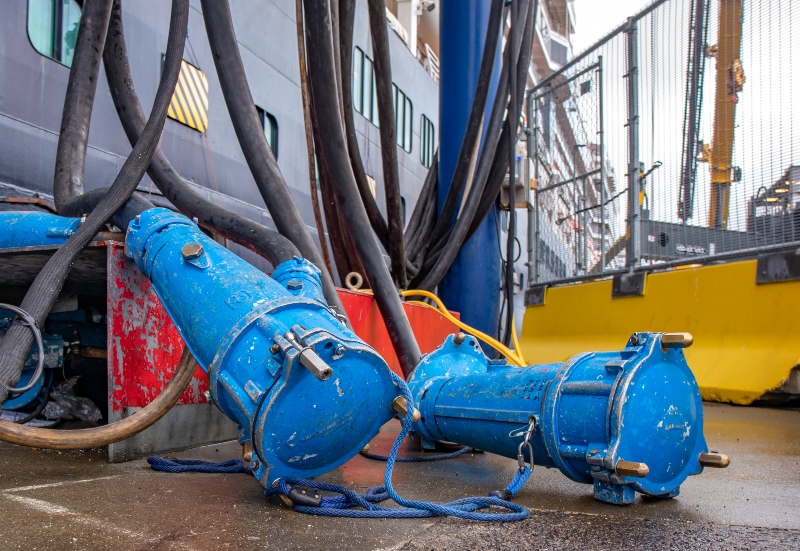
189, 104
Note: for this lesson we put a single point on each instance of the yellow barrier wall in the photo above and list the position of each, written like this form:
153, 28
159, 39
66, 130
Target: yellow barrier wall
746, 336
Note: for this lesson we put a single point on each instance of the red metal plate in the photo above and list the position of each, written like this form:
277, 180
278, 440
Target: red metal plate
430, 328
145, 347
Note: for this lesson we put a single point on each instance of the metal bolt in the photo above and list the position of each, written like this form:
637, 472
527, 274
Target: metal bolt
284, 499
631, 468
400, 405
247, 451
459, 339
634, 340
255, 464
274, 348
192, 250
714, 459
339, 351
294, 284
676, 340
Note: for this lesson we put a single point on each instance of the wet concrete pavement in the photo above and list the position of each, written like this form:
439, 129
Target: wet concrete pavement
76, 500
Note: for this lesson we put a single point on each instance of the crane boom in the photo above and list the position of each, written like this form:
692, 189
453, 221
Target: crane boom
729, 80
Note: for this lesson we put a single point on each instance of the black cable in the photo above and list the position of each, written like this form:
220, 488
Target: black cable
334, 155
420, 224
347, 10
257, 153
388, 132
251, 235
78, 102
48, 283
608, 202
513, 117
39, 409
132, 208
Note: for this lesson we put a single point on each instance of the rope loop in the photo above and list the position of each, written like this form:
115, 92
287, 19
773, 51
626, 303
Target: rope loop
354, 505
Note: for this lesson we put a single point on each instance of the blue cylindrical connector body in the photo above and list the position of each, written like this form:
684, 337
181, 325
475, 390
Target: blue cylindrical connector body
306, 391
640, 406
34, 229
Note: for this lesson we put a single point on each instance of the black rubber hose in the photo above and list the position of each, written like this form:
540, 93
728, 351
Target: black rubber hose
39, 409
388, 132
442, 254
346, 22
251, 235
45, 289
513, 117
334, 153
78, 102
132, 208
257, 153
473, 124
431, 181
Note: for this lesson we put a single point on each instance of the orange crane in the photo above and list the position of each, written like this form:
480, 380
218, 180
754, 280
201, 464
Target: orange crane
730, 79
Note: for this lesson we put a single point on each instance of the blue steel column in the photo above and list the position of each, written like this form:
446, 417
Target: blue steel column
471, 285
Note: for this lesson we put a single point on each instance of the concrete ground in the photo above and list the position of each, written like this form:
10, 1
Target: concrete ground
76, 500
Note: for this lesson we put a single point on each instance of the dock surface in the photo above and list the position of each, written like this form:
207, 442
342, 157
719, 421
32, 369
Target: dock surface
77, 500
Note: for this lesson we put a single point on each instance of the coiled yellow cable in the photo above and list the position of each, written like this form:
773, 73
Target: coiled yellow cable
512, 356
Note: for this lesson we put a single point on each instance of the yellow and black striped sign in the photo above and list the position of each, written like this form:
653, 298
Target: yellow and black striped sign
189, 103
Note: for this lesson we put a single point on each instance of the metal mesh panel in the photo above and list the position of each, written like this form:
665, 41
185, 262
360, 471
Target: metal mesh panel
669, 141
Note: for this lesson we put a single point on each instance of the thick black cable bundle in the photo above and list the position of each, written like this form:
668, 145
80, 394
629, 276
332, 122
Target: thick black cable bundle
474, 122
45, 289
492, 162
257, 153
251, 235
336, 162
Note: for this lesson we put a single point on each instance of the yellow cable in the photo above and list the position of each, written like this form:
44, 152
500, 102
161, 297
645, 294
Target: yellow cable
497, 345
515, 340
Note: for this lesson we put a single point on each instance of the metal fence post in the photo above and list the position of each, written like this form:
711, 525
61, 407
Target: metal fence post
533, 215
634, 221
602, 166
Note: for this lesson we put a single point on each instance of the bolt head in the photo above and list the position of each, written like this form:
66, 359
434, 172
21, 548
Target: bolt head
294, 284
459, 339
192, 250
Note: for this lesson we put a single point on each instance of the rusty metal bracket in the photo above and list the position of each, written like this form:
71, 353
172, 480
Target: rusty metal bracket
535, 295
628, 285
777, 267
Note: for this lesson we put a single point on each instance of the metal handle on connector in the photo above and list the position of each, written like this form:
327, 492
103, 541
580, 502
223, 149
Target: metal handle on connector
310, 360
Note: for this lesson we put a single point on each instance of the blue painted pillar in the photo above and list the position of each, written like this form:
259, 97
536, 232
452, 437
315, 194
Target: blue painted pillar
472, 284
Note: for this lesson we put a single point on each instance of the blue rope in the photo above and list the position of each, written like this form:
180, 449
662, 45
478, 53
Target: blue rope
344, 504
174, 465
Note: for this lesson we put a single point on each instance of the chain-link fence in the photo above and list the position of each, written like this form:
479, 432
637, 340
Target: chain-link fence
669, 141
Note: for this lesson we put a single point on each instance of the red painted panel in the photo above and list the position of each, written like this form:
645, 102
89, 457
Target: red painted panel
144, 346
430, 328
